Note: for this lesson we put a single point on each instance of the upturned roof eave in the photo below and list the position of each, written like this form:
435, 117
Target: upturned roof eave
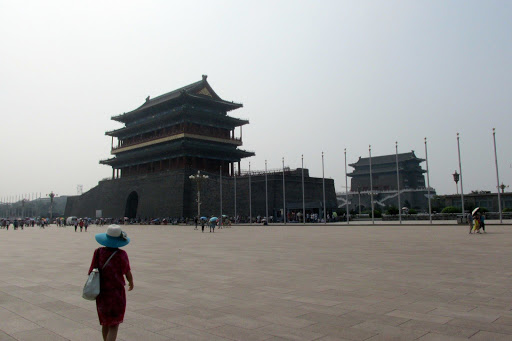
235, 122
176, 94
386, 159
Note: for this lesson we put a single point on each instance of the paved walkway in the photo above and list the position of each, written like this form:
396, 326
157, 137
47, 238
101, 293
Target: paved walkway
267, 283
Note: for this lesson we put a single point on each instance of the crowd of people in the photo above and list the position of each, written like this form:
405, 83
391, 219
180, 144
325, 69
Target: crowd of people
22, 223
476, 221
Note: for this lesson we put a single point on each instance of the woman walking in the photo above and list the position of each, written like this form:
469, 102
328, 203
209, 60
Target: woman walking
111, 302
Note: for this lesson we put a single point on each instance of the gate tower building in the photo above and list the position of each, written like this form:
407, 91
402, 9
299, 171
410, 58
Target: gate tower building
173, 136
187, 127
384, 172
384, 180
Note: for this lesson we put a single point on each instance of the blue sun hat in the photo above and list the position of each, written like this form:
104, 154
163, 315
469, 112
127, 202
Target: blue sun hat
114, 237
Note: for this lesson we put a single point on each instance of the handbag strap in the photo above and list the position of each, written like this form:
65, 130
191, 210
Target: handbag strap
96, 258
108, 260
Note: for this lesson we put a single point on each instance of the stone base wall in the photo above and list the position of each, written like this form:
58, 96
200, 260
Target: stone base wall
173, 194
417, 200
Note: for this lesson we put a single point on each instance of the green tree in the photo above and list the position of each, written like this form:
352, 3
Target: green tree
392, 210
451, 209
377, 213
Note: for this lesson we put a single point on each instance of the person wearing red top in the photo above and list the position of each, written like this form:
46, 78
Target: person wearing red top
111, 302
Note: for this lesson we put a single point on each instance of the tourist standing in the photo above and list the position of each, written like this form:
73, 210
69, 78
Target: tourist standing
76, 224
476, 226
482, 222
470, 222
111, 302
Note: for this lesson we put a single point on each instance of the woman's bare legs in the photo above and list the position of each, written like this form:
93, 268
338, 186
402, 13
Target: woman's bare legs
104, 332
109, 332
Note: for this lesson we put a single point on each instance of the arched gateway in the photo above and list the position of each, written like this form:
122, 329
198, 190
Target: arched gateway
131, 205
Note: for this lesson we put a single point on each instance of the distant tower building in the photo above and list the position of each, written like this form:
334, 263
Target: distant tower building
384, 172
384, 180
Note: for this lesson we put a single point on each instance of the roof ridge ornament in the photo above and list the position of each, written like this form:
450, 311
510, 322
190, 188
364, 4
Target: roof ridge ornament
147, 99
204, 77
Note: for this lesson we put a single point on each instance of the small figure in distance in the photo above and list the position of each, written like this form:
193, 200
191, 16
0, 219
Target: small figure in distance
470, 221
482, 221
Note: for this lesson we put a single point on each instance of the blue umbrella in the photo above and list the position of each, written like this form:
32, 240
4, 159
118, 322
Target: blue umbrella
203, 218
213, 219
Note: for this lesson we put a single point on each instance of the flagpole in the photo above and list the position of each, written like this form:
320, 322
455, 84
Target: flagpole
428, 184
323, 189
398, 183
497, 175
460, 175
220, 182
371, 183
266, 194
236, 217
284, 197
346, 186
250, 196
303, 200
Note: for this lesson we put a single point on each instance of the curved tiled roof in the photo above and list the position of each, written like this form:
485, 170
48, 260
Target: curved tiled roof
386, 159
198, 90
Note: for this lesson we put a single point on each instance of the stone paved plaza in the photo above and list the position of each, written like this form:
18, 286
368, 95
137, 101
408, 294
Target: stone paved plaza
293, 282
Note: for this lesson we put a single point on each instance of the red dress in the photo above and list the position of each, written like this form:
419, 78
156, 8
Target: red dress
111, 302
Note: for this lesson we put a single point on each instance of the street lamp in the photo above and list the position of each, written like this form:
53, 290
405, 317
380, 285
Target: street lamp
502, 187
198, 178
456, 179
23, 208
359, 192
51, 195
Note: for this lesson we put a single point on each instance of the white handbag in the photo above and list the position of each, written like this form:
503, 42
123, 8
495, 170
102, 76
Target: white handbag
92, 285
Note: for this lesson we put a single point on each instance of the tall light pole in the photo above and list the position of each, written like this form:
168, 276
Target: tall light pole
460, 175
266, 193
359, 192
23, 208
220, 191
346, 186
497, 175
198, 179
303, 200
428, 184
236, 217
51, 195
456, 179
398, 183
284, 197
371, 183
502, 187
250, 196
323, 189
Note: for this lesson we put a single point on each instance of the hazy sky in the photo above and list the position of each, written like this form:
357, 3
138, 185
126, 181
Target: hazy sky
313, 76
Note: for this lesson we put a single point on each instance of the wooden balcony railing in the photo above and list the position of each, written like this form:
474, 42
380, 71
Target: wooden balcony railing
136, 141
